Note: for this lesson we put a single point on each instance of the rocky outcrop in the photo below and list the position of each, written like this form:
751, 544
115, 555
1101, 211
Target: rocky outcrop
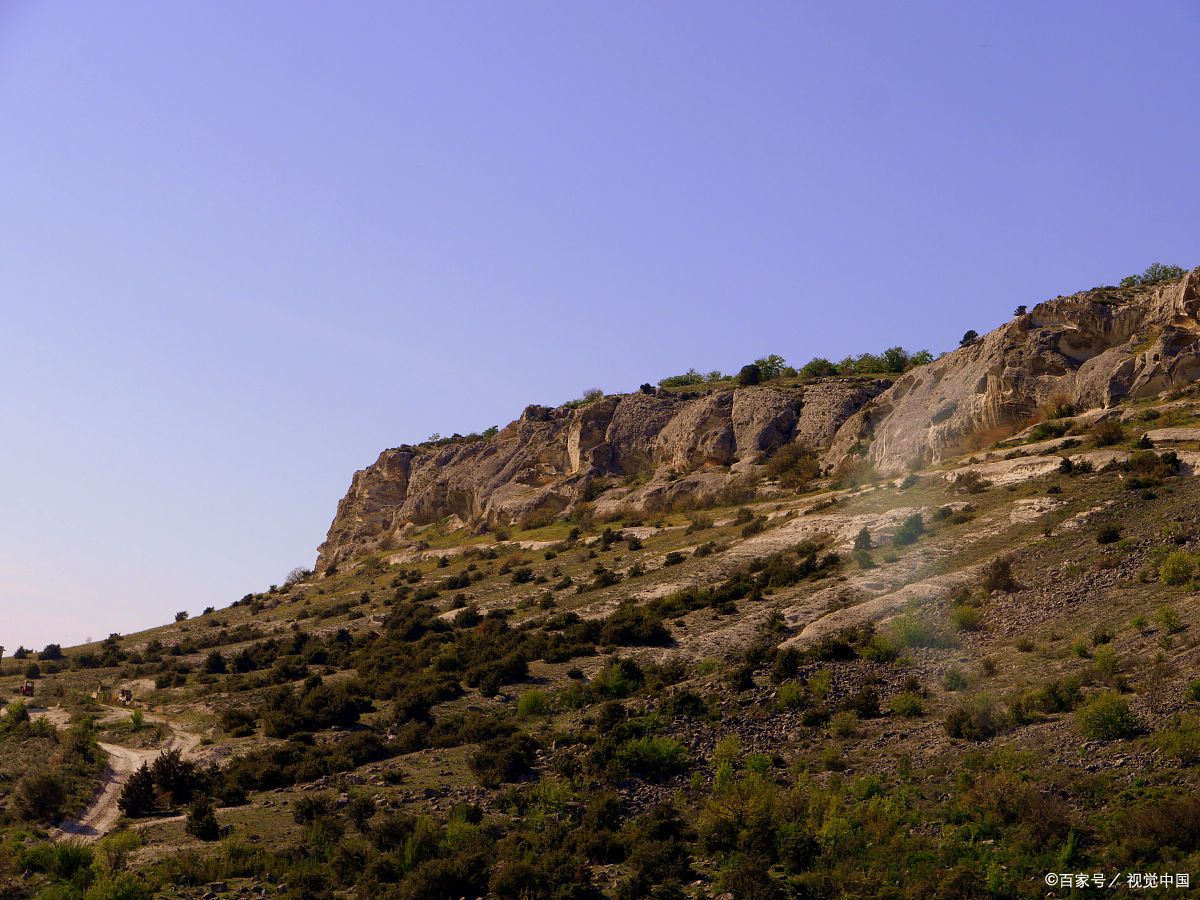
644, 452
828, 406
1089, 350
636, 451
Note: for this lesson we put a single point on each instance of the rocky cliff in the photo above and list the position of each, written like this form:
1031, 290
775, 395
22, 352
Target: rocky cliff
643, 453
634, 451
1088, 350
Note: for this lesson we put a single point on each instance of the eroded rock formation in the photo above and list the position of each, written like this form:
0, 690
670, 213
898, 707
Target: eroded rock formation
645, 452
633, 451
1088, 350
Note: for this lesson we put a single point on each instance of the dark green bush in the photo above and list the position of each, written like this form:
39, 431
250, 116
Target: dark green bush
974, 720
502, 759
910, 529
749, 374
1106, 717
202, 820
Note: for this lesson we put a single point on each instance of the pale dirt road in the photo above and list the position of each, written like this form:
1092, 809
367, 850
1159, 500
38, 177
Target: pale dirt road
102, 813
100, 817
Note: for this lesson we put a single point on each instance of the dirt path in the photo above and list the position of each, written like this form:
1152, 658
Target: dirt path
100, 817
102, 813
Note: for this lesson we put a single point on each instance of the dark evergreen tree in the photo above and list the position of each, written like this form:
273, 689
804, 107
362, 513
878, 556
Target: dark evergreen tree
137, 797
749, 374
202, 820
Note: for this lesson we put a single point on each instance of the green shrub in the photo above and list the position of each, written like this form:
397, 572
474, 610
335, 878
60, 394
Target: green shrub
1107, 665
910, 630
997, 576
786, 665
654, 758
1181, 740
910, 529
311, 806
862, 559
1106, 717
1168, 620
843, 723
1056, 695
1106, 434
137, 796
970, 482
879, 648
202, 820
117, 886
39, 796
966, 617
690, 377
908, 704
974, 720
64, 861
502, 759
754, 526
1177, 568
1108, 533
794, 466
533, 703
773, 366
791, 695
954, 679
1044, 431
818, 367
632, 625
759, 763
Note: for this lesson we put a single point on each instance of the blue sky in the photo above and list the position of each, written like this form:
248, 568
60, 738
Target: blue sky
244, 247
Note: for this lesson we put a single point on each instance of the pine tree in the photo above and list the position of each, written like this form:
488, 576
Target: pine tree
862, 540
202, 820
175, 775
137, 797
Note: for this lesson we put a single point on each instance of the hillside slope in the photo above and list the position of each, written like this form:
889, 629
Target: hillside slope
645, 454
947, 683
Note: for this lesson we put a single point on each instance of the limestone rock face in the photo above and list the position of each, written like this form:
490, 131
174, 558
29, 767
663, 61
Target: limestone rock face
831, 402
762, 418
700, 434
1089, 350
637, 451
642, 452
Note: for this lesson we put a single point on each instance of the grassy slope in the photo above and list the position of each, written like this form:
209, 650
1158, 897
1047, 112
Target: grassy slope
886, 803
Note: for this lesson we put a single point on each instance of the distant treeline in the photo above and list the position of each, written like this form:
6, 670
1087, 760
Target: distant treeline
893, 360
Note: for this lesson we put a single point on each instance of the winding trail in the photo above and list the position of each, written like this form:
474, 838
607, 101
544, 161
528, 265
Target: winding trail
100, 817
103, 812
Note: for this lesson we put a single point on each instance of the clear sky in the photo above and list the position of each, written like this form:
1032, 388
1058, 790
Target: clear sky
246, 246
